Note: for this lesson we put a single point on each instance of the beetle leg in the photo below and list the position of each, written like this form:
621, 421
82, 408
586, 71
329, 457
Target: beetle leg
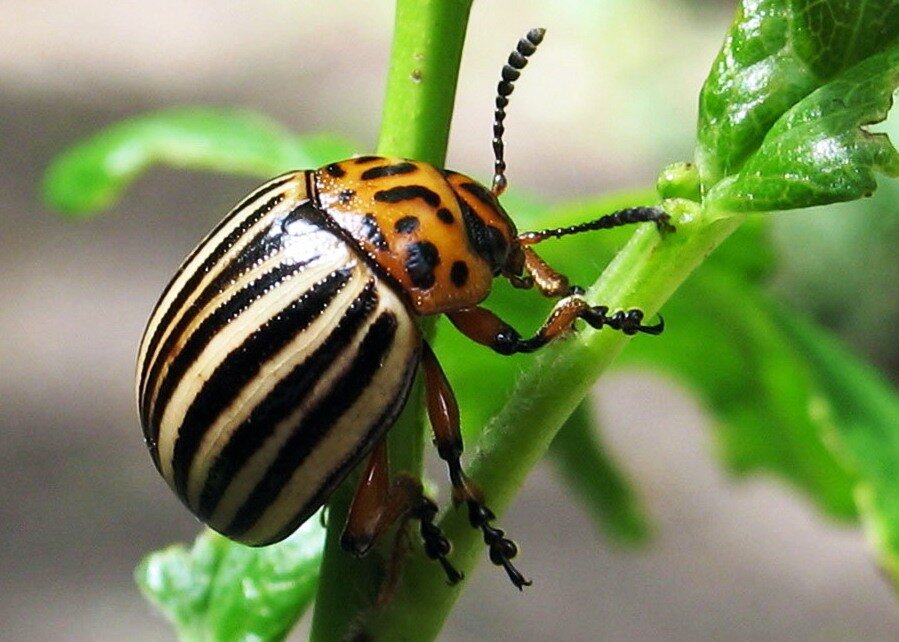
483, 326
378, 503
549, 282
443, 411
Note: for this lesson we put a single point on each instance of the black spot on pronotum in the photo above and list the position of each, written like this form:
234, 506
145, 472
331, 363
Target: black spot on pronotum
421, 260
459, 273
406, 225
388, 170
446, 216
346, 195
335, 170
372, 232
362, 160
407, 193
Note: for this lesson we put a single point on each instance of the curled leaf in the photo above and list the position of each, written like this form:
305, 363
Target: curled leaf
818, 152
781, 111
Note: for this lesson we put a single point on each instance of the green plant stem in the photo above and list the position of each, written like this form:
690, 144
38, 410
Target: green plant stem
421, 83
644, 274
421, 86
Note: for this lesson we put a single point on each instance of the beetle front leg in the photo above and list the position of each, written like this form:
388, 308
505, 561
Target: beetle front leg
443, 411
378, 503
483, 326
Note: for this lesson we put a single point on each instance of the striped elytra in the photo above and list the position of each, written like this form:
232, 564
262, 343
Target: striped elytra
273, 361
285, 346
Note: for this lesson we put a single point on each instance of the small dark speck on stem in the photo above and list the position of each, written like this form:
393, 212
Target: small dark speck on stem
416, 75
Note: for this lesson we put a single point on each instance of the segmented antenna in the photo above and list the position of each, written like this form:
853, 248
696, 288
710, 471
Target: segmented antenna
620, 218
511, 71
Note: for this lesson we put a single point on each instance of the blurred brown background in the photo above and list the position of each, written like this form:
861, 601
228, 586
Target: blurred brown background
610, 100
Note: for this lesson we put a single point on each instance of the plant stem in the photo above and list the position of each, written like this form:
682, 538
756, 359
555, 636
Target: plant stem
644, 274
421, 86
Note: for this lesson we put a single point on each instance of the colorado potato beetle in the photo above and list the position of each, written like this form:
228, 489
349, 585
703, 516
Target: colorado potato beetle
286, 344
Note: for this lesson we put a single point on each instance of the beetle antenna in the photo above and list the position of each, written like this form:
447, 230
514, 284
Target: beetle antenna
510, 73
626, 216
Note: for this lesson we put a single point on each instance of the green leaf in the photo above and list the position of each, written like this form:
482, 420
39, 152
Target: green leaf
225, 592
861, 412
818, 152
179, 581
788, 92
596, 481
776, 53
92, 174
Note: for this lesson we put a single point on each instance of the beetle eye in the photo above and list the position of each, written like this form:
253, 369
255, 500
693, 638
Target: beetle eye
496, 249
486, 240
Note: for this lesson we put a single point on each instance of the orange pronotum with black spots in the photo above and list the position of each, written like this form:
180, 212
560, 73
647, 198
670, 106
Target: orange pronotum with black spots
439, 235
285, 347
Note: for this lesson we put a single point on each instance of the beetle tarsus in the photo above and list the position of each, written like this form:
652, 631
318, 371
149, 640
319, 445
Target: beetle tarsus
501, 549
436, 545
626, 321
508, 341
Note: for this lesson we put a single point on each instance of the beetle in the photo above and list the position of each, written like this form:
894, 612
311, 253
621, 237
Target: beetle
286, 344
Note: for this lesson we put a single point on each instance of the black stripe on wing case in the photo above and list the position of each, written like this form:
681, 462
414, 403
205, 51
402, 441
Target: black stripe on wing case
240, 366
339, 471
257, 249
285, 397
228, 312
190, 286
346, 390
